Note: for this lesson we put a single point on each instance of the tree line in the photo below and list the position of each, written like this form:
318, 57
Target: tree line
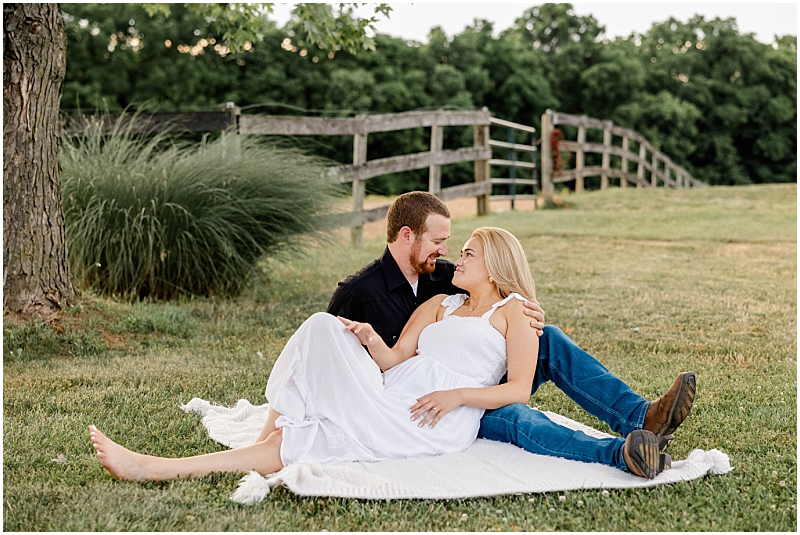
717, 101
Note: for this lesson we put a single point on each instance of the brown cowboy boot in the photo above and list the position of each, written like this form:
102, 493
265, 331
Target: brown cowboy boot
665, 414
642, 455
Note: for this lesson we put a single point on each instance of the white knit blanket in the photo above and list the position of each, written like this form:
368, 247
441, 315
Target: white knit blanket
487, 468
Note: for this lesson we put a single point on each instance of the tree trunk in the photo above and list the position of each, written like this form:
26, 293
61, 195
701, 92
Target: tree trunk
36, 274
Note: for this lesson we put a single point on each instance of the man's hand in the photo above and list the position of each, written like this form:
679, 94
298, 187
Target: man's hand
534, 310
435, 405
363, 331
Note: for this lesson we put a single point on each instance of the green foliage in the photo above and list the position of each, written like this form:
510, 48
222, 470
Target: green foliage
350, 91
615, 80
242, 23
657, 116
326, 29
119, 55
554, 28
150, 218
723, 105
745, 93
239, 23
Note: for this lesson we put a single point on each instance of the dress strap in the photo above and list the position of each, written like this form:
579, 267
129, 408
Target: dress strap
452, 302
497, 305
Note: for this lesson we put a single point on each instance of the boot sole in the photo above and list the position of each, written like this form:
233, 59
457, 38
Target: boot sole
642, 455
664, 462
683, 404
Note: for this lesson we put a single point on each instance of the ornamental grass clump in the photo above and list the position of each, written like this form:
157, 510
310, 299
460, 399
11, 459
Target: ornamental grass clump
149, 217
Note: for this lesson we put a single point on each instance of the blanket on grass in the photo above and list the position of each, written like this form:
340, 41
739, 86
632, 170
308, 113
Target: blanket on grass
487, 468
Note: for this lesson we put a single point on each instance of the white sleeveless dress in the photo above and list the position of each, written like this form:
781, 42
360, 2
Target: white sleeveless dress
337, 405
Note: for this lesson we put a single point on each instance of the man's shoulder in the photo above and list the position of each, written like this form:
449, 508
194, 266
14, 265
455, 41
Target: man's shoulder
364, 275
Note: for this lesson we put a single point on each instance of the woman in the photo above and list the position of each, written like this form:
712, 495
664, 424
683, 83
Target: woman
331, 402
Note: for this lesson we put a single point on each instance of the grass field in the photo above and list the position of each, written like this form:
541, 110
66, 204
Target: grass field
650, 282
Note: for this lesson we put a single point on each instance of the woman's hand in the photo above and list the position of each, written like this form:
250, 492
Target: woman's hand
363, 331
435, 405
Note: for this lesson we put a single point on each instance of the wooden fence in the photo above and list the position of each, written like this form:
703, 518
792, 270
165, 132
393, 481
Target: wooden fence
363, 169
513, 164
661, 170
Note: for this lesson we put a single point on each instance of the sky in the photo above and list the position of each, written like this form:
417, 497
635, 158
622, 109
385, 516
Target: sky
413, 21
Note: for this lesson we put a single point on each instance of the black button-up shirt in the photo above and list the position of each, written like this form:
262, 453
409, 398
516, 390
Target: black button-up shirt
380, 295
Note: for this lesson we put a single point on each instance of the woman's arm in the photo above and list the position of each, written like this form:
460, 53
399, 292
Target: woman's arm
406, 346
522, 350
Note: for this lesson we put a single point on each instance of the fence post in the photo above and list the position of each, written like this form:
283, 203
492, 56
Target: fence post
481, 138
622, 182
654, 164
235, 112
545, 158
435, 171
606, 158
579, 159
640, 168
512, 171
359, 187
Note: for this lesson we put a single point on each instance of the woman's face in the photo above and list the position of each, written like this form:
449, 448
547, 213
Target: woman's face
470, 267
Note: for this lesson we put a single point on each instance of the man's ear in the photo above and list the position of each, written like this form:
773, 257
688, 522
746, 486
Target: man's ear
406, 234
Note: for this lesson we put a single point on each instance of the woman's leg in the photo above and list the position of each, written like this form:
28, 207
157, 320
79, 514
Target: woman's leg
263, 457
269, 427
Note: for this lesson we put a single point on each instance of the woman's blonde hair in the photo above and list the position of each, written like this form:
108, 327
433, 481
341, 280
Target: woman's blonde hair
506, 262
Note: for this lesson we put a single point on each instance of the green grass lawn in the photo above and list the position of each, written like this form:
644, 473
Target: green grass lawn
650, 282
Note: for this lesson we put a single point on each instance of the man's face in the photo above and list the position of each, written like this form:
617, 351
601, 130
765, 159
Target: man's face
431, 245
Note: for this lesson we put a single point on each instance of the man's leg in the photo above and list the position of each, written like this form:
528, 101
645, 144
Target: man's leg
532, 431
604, 395
587, 382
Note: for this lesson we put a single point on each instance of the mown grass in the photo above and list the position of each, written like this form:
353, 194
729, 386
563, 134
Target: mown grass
651, 282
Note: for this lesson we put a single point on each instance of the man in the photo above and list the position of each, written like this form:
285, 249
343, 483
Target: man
386, 292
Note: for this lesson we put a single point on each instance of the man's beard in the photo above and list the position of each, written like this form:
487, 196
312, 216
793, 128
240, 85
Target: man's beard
420, 267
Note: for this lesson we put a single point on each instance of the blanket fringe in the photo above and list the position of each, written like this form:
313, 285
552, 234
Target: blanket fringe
252, 489
197, 406
719, 461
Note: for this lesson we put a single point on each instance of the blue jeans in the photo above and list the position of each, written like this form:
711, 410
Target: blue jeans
590, 385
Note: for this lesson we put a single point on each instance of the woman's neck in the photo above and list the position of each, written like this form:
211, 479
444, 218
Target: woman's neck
483, 296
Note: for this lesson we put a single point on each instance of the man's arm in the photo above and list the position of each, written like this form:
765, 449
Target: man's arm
534, 310
344, 304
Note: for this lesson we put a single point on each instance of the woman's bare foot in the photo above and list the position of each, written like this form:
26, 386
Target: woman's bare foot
121, 462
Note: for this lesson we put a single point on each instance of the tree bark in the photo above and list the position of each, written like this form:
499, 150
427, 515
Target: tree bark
36, 274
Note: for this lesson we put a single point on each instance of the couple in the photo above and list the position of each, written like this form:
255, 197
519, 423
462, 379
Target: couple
446, 367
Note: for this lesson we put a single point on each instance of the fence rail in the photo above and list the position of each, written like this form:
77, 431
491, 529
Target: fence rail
364, 124
662, 170
512, 164
409, 162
